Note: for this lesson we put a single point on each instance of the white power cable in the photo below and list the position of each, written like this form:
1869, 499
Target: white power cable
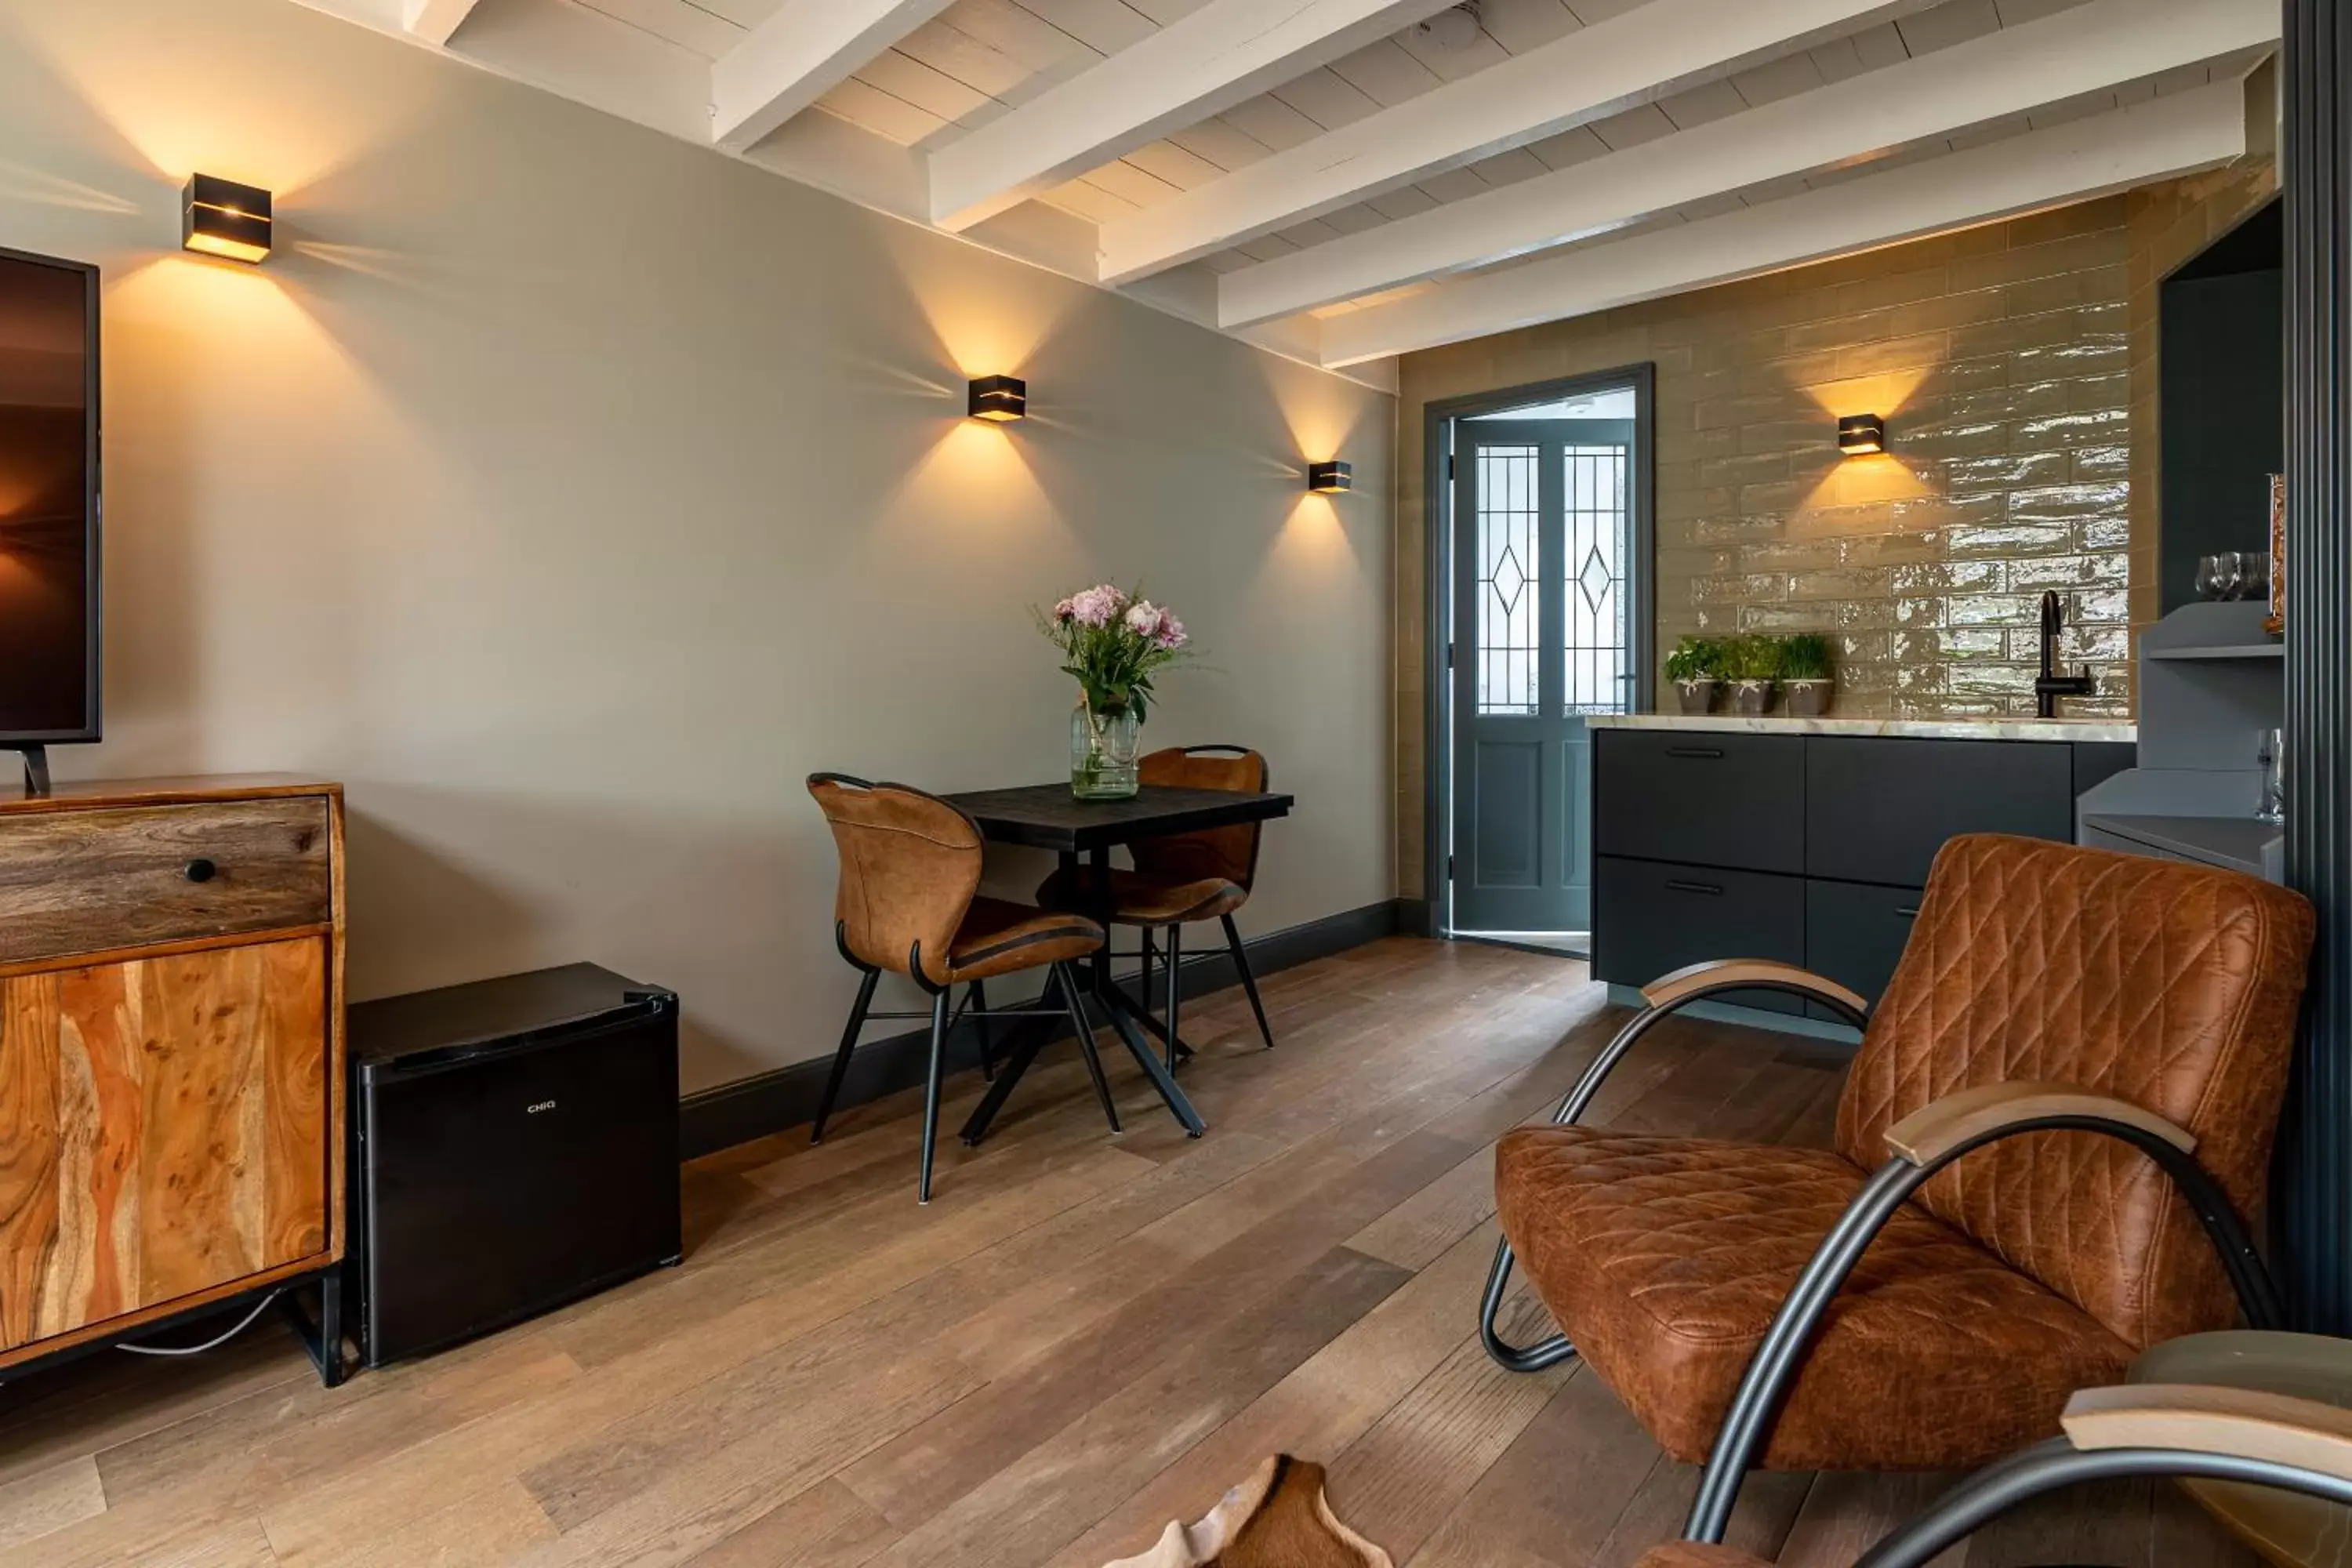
213, 1344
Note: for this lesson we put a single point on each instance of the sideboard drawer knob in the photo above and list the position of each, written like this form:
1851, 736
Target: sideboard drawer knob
202, 870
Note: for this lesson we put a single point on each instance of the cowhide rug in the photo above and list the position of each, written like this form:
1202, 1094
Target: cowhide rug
1277, 1519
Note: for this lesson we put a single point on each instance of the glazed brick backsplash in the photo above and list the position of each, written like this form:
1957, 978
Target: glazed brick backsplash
2002, 360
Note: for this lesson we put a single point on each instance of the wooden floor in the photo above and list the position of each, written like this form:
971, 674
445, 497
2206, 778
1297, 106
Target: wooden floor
1082, 1339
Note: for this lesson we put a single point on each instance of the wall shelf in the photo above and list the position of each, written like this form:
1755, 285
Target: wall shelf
2232, 651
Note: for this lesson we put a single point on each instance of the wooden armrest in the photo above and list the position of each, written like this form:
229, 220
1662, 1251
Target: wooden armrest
1670, 988
1934, 1130
2201, 1418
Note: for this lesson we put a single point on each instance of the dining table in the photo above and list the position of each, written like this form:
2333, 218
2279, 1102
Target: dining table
1084, 832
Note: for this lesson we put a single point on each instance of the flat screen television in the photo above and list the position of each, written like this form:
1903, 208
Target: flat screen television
48, 505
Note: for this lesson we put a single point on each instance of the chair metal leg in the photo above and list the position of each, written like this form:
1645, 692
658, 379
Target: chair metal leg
932, 1091
1249, 981
841, 1057
1511, 1358
1175, 992
979, 1002
1085, 1032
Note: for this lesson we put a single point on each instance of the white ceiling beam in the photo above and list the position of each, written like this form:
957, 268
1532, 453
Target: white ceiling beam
435, 20
2072, 162
2019, 68
1636, 57
1200, 65
800, 54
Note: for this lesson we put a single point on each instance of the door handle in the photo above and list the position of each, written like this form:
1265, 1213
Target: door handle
1708, 753
1907, 912
1709, 888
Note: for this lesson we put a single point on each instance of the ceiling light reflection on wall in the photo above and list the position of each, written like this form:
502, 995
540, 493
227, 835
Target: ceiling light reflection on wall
221, 218
1862, 433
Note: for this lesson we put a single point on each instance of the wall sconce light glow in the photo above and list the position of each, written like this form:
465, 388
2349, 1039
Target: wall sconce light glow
1003, 398
221, 218
1859, 433
1331, 479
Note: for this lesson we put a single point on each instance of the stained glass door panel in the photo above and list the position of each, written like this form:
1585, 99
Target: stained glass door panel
1542, 638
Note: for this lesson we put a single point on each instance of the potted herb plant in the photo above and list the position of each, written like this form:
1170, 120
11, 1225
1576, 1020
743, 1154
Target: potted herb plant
1807, 674
1751, 664
1112, 643
1693, 667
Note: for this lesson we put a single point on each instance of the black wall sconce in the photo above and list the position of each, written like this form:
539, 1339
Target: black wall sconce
1003, 398
221, 218
1331, 479
1862, 433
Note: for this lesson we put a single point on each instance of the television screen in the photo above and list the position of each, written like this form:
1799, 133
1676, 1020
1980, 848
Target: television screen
48, 500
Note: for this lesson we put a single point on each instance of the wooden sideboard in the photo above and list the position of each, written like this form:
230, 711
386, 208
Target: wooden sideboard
171, 1052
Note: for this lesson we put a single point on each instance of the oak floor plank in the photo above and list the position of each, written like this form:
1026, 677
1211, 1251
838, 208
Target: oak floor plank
1032, 1508
1319, 1408
1254, 1275
827, 1526
1846, 1513
1400, 1479
44, 1501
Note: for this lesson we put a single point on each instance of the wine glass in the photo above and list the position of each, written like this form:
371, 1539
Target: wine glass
2229, 574
2209, 578
2254, 574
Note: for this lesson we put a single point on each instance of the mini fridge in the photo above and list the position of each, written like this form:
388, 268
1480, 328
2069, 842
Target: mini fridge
514, 1147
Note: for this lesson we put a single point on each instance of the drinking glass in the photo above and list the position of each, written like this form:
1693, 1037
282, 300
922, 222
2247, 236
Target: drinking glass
2229, 575
2254, 573
2209, 577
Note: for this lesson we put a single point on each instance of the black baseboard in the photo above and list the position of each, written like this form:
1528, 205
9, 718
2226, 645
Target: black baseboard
715, 1118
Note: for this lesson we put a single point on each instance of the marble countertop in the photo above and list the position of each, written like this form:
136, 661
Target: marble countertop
1959, 729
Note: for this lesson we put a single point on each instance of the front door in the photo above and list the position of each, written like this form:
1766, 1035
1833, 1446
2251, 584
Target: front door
1542, 638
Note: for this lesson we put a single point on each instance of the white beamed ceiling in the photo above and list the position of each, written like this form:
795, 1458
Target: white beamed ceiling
861, 97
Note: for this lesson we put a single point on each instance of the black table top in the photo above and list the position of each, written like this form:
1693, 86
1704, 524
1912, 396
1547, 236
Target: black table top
1047, 817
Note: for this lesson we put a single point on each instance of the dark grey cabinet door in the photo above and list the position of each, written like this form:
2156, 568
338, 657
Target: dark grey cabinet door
1877, 809
1655, 917
1856, 933
1542, 638
1703, 798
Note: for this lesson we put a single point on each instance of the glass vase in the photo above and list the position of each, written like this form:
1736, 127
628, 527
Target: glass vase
1103, 748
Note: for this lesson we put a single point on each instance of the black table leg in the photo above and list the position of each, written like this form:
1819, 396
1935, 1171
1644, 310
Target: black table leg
1116, 1005
1021, 1049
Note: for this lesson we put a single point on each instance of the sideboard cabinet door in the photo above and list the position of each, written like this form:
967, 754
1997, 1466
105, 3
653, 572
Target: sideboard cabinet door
162, 1130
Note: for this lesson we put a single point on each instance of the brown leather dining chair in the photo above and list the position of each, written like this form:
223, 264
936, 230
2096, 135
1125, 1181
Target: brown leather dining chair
1182, 877
2048, 1149
909, 902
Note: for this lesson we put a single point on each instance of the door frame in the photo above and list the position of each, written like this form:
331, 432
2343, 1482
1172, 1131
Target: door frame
1437, 574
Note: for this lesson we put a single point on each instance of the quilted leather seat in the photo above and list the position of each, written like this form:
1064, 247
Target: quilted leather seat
2035, 1265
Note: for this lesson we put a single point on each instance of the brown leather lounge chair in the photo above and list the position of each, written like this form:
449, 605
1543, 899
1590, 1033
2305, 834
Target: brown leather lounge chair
1204, 876
2151, 1430
908, 904
2059, 1117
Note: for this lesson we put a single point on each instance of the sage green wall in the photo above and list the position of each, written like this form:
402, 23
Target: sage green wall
570, 492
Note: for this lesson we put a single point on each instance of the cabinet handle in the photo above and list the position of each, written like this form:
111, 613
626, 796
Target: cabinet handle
1709, 754
202, 870
1709, 888
1907, 912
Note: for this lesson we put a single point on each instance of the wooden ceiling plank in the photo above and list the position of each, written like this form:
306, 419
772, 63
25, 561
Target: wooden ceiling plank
2069, 56
1625, 61
1220, 54
2075, 161
800, 54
